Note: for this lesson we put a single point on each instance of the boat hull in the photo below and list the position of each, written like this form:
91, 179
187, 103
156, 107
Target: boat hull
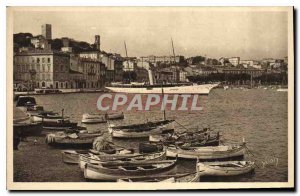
71, 156
142, 134
66, 142
202, 89
208, 170
92, 172
206, 153
83, 160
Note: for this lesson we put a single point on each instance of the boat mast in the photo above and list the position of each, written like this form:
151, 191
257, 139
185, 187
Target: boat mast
174, 59
127, 61
162, 92
173, 50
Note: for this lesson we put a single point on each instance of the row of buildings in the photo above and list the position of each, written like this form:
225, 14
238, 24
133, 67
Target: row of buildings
40, 66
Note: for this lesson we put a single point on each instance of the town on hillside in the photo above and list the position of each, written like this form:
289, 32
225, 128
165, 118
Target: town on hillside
41, 62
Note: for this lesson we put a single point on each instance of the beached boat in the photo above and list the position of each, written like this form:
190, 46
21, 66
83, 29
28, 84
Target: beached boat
113, 172
51, 120
73, 140
93, 118
142, 133
206, 153
226, 168
134, 158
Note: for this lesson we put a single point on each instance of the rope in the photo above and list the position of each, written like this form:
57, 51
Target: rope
181, 125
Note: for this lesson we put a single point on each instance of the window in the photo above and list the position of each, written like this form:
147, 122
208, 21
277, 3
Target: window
38, 68
43, 67
61, 85
48, 60
33, 59
43, 60
38, 60
48, 68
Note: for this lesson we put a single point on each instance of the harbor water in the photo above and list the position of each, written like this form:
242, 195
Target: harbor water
257, 115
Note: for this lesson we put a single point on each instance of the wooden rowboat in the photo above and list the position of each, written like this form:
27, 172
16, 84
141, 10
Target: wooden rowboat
93, 118
196, 141
187, 177
207, 153
226, 168
113, 172
136, 158
115, 116
139, 127
79, 140
125, 133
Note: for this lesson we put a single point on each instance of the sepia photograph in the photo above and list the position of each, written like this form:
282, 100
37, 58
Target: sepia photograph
150, 98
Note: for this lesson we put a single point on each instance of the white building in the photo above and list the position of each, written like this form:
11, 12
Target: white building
235, 61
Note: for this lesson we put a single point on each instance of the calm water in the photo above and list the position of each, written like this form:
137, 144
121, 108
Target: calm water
258, 115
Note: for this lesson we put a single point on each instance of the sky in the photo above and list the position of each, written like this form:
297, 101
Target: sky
148, 31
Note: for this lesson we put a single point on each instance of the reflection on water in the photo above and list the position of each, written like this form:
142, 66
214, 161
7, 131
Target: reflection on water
259, 116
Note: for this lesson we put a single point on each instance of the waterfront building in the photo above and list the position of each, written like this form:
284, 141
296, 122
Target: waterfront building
251, 71
93, 73
182, 76
162, 59
42, 69
128, 65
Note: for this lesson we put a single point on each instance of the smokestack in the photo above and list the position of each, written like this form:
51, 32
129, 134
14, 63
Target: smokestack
97, 42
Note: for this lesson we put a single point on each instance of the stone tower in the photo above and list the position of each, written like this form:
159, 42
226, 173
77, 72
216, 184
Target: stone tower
46, 31
97, 42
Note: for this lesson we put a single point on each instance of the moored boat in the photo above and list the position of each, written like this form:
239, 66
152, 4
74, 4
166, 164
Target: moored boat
93, 118
73, 140
133, 158
139, 126
226, 168
22, 127
187, 177
194, 139
207, 153
115, 116
184, 177
142, 133
113, 172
